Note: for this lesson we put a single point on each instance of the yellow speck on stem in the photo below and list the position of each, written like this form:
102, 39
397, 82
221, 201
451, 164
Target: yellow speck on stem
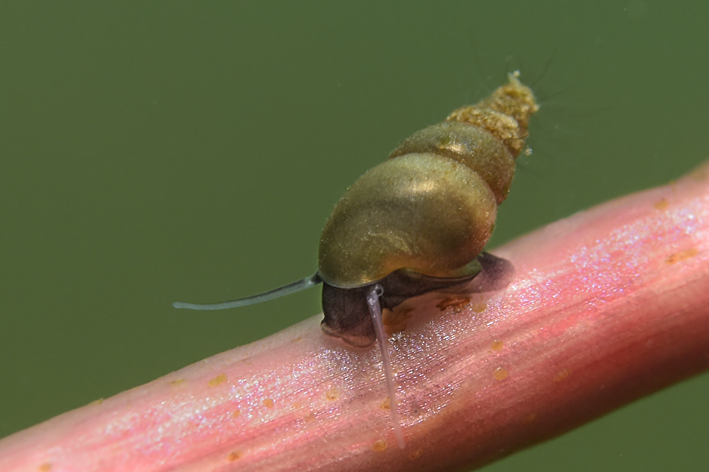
416, 454
268, 403
177, 381
219, 379
562, 374
379, 445
234, 455
500, 373
479, 307
385, 405
45, 467
682, 255
497, 345
661, 204
236, 413
332, 394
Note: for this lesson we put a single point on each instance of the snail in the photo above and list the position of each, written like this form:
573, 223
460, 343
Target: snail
418, 222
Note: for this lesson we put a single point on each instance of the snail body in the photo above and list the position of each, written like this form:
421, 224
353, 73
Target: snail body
418, 222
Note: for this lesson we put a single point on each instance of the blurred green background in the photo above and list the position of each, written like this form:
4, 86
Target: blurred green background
162, 151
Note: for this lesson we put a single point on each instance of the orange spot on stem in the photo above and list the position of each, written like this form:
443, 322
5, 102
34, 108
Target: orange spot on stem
379, 445
661, 204
500, 373
682, 255
416, 454
219, 379
479, 307
562, 374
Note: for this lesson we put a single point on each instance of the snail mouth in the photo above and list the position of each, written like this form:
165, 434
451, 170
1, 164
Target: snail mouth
347, 314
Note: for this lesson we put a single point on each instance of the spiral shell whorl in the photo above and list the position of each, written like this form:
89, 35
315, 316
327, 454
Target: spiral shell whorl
505, 113
486, 137
421, 211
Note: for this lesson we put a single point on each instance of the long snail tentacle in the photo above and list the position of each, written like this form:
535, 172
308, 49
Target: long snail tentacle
419, 221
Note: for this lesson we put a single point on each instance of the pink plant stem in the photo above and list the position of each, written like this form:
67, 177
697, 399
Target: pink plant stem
607, 306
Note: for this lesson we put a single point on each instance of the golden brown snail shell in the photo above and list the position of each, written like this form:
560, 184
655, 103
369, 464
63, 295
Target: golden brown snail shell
418, 222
